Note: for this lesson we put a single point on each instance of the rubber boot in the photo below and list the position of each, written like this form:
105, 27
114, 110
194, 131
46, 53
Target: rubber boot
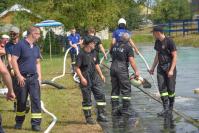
171, 103
126, 108
165, 107
89, 119
101, 114
115, 108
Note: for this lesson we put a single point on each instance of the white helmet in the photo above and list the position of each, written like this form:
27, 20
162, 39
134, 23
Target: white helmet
121, 21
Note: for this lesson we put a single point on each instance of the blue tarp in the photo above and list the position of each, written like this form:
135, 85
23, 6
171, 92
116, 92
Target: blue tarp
49, 23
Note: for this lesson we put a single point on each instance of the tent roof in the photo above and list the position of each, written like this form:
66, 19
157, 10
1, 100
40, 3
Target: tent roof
17, 7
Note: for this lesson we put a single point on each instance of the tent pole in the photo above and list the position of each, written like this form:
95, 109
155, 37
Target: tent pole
50, 45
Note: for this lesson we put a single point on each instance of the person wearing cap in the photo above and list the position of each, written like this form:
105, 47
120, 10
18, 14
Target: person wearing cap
14, 38
8, 82
89, 72
98, 43
165, 60
74, 41
27, 67
4, 40
117, 34
122, 54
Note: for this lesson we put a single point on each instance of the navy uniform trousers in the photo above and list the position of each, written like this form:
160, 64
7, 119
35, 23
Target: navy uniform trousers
1, 129
33, 88
95, 86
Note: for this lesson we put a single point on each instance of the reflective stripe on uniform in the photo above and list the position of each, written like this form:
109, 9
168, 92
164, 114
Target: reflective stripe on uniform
21, 113
172, 95
164, 94
101, 103
126, 98
115, 97
86, 108
36, 115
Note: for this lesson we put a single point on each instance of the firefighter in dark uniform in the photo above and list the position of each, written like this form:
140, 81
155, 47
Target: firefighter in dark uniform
122, 54
88, 70
166, 56
98, 43
26, 64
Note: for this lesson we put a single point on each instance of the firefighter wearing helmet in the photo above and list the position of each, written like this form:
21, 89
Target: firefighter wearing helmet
117, 34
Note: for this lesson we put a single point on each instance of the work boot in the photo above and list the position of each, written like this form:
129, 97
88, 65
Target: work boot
126, 108
116, 111
101, 114
171, 103
89, 119
165, 107
18, 126
36, 128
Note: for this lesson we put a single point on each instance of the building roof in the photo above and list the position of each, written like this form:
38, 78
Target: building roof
17, 7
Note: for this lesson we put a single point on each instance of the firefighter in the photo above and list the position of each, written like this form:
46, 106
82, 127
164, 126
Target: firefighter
166, 56
98, 43
74, 41
14, 39
117, 34
26, 64
88, 70
122, 54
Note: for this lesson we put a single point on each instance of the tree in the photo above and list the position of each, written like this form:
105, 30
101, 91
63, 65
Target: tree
166, 10
3, 5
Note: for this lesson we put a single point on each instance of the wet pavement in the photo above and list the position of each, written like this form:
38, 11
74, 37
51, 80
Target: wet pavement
144, 109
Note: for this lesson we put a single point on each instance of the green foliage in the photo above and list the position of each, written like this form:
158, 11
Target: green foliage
3, 4
84, 13
166, 10
56, 43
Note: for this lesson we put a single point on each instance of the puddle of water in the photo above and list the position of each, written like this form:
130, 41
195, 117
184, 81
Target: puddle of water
146, 120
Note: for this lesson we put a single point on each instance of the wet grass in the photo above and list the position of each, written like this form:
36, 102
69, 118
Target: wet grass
65, 104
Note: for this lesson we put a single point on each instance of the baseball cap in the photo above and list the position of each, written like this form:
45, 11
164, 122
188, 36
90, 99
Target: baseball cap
5, 36
14, 29
157, 29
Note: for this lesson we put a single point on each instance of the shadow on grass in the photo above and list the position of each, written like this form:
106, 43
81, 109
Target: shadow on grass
70, 122
12, 127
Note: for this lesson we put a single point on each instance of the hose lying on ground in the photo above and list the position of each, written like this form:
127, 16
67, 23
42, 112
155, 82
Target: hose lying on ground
64, 66
53, 117
56, 85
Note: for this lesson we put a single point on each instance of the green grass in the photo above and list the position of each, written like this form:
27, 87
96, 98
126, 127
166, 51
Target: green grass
142, 38
65, 104
188, 40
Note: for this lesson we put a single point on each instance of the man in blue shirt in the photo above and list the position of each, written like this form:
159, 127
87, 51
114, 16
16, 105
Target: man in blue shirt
117, 34
74, 41
26, 64
14, 38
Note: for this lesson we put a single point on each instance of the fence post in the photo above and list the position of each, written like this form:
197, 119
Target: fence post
170, 28
198, 25
183, 26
